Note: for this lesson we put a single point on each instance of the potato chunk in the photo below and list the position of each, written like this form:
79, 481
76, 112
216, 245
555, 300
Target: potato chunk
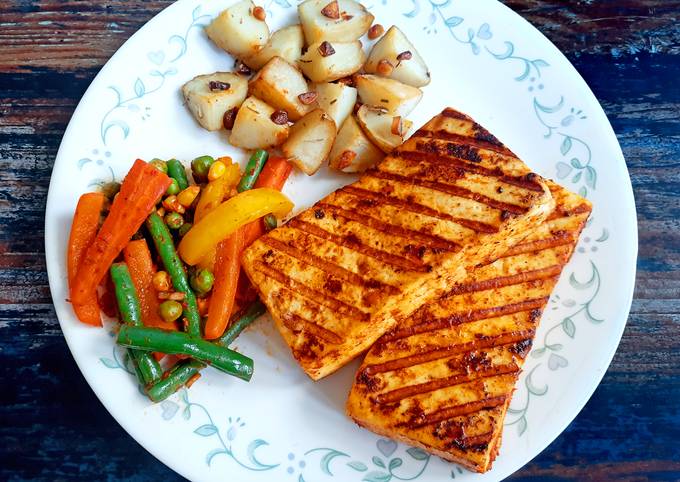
387, 131
336, 100
310, 141
254, 128
341, 21
391, 95
325, 61
408, 66
279, 84
237, 31
353, 151
286, 43
209, 96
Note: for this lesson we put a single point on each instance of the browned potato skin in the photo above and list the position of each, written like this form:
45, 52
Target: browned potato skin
279, 84
237, 31
394, 96
377, 125
207, 106
347, 60
310, 141
318, 27
353, 151
412, 71
286, 43
254, 128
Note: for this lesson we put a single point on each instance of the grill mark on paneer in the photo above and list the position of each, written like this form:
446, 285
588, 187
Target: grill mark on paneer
296, 324
418, 208
449, 189
432, 381
465, 317
447, 382
456, 411
328, 267
478, 142
429, 240
355, 244
503, 281
318, 297
563, 238
456, 159
449, 351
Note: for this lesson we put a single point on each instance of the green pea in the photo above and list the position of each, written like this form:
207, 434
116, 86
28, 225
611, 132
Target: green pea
170, 310
174, 220
173, 189
160, 164
202, 281
200, 167
184, 229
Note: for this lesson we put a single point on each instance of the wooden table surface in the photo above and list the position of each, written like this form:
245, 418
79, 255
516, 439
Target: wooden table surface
52, 426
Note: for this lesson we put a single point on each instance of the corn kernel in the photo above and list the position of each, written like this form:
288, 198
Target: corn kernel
161, 281
217, 170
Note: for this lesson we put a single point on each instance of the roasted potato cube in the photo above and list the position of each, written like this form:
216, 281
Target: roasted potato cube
237, 31
286, 43
325, 61
353, 151
310, 141
254, 128
406, 64
279, 84
209, 96
391, 95
340, 21
387, 131
336, 100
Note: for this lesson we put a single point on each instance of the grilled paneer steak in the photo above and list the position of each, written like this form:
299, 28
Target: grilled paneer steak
443, 378
342, 273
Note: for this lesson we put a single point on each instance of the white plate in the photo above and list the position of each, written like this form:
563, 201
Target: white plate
486, 61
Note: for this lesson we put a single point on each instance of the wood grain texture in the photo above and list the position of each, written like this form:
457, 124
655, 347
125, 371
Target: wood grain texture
53, 428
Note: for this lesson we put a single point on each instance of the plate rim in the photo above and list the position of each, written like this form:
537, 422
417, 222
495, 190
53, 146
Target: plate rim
586, 391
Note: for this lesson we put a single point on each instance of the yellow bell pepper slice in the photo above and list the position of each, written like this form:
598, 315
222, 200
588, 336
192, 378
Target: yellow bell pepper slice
215, 191
222, 221
212, 196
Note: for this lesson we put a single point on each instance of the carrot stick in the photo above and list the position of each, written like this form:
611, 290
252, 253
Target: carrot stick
83, 233
139, 262
228, 260
275, 173
142, 188
227, 268
83, 230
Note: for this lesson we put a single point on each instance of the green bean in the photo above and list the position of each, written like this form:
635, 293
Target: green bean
178, 173
270, 222
244, 319
147, 368
253, 169
178, 343
176, 377
173, 265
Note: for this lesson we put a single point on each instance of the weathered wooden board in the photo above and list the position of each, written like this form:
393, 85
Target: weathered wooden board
51, 425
